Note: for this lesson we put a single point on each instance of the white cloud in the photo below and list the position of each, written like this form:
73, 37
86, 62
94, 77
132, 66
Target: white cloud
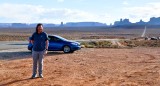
143, 12
20, 13
60, 0
125, 3
29, 14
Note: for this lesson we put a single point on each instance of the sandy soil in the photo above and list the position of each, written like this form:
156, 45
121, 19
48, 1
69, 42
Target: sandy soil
22, 34
87, 67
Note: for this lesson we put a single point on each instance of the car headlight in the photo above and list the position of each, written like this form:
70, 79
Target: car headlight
75, 43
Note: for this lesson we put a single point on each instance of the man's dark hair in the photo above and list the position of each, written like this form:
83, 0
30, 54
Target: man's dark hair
39, 24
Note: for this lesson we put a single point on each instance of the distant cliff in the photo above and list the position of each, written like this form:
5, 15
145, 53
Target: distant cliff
125, 23
84, 24
122, 23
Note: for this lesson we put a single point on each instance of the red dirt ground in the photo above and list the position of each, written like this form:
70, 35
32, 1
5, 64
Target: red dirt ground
87, 67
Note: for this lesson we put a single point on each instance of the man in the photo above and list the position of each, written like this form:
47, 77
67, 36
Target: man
39, 40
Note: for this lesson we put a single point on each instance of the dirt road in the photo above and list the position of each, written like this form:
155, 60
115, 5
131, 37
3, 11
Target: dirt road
87, 67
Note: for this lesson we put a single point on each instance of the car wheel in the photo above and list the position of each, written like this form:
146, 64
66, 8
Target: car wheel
66, 49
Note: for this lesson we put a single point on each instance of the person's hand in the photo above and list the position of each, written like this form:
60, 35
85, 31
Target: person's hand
45, 52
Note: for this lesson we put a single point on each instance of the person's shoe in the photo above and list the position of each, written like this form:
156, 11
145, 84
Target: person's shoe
33, 76
40, 76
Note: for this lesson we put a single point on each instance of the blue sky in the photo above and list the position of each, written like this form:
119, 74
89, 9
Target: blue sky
56, 11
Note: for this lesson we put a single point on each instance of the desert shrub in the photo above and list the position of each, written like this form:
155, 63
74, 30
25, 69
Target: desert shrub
141, 43
115, 46
98, 44
13, 37
128, 43
89, 44
147, 43
104, 44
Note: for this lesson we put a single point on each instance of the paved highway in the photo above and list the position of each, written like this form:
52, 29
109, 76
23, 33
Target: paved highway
11, 46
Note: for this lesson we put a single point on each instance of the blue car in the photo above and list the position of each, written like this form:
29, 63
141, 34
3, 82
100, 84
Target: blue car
58, 43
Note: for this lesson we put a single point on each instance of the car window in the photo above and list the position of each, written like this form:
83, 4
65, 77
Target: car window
52, 38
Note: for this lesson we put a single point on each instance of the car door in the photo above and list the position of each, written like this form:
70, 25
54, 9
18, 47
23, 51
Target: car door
55, 43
